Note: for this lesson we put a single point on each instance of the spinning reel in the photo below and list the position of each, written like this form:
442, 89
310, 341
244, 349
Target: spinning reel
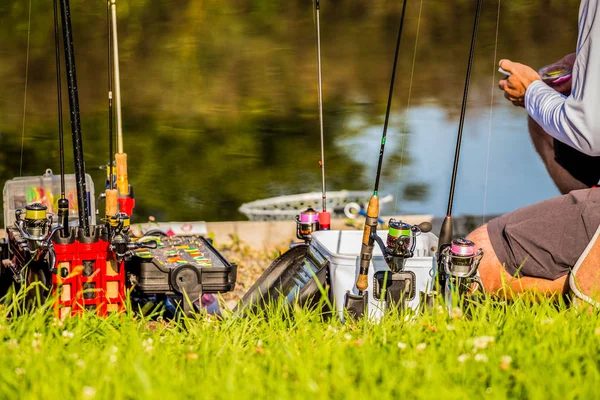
120, 242
32, 239
307, 223
458, 266
399, 285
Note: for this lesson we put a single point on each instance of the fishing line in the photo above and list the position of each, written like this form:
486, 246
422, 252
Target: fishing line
493, 90
25, 97
405, 131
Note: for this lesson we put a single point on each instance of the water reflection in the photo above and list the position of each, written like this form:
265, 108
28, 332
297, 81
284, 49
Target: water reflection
220, 103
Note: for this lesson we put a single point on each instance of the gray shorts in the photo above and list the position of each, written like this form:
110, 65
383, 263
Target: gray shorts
545, 240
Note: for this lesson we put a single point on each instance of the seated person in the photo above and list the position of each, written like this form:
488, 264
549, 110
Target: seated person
538, 247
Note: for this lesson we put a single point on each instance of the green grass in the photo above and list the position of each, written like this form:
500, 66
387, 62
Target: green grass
521, 350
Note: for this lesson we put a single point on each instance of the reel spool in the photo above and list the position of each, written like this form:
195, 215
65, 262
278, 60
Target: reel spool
35, 226
306, 223
401, 242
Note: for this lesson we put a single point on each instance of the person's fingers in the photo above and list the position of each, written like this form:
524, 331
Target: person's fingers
507, 65
508, 96
502, 84
512, 82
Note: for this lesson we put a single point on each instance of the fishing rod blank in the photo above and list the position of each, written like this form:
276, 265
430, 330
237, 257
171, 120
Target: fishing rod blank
111, 192
446, 230
121, 157
63, 203
366, 252
324, 216
82, 200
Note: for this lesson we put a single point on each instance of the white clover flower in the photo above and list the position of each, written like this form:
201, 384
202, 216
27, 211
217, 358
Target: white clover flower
13, 344
37, 335
259, 343
19, 371
89, 392
401, 345
480, 357
347, 336
67, 334
597, 331
462, 358
450, 327
112, 358
420, 347
332, 329
36, 344
57, 322
409, 364
547, 321
114, 349
505, 362
456, 313
481, 342
80, 363
163, 339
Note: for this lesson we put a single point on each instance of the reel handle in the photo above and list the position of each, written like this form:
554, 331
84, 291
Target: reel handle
151, 244
425, 227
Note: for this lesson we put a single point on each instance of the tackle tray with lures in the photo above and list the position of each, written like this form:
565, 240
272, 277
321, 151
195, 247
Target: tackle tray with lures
181, 264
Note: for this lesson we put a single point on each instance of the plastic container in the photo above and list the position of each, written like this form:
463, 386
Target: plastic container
45, 189
342, 248
157, 271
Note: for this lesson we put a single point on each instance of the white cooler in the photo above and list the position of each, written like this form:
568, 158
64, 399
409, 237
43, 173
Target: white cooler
342, 248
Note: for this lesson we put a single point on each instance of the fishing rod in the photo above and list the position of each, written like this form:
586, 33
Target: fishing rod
111, 192
63, 202
126, 200
368, 241
82, 200
445, 238
324, 216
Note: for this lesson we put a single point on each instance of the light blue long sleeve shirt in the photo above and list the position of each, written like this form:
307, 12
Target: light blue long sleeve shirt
574, 119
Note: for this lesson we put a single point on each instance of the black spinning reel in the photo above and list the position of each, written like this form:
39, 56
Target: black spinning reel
399, 285
458, 266
307, 223
120, 242
31, 239
400, 243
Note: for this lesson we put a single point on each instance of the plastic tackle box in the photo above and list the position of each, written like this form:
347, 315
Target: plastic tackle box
45, 189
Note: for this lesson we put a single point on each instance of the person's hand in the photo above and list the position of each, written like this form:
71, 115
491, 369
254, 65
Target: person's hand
515, 85
565, 86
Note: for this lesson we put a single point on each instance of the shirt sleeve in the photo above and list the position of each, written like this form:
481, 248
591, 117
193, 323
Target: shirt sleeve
574, 120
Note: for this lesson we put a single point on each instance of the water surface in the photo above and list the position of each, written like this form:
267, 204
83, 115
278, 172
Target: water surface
220, 99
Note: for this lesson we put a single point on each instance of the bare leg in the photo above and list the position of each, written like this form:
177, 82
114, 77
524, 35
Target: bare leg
496, 281
544, 145
586, 277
